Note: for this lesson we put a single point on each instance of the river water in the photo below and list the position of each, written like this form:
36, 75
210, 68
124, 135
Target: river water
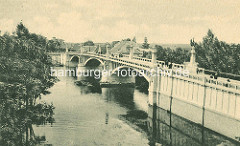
86, 116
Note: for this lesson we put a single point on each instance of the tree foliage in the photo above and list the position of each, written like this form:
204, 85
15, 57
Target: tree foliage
167, 55
88, 43
211, 54
217, 55
145, 45
55, 45
24, 76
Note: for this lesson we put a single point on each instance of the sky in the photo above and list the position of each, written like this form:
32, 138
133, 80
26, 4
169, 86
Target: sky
161, 21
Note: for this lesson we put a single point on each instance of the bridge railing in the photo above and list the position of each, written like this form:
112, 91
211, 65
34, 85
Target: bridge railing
135, 64
176, 66
233, 86
120, 60
142, 59
219, 84
160, 63
125, 55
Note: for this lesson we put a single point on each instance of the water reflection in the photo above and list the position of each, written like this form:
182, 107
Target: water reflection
169, 129
93, 87
123, 96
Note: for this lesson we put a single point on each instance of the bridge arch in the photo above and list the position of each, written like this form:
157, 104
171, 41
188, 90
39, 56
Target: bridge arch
93, 58
73, 58
137, 70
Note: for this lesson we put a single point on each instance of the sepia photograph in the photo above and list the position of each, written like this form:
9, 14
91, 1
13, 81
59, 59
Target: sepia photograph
119, 72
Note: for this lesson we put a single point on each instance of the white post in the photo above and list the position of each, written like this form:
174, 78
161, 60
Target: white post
154, 56
130, 47
193, 57
99, 49
153, 84
107, 50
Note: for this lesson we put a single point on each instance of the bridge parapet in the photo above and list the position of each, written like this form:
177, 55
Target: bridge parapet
142, 59
176, 66
145, 64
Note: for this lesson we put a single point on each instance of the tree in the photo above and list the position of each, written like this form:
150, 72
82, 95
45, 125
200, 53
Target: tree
210, 52
22, 31
169, 55
24, 76
217, 55
88, 43
145, 44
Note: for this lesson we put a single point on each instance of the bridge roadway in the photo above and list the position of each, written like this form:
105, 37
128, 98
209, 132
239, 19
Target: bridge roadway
136, 62
146, 64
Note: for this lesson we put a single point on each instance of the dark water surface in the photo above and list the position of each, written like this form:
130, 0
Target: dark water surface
116, 116
86, 118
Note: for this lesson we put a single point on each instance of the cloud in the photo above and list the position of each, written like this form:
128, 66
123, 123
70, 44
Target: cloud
41, 25
68, 26
104, 20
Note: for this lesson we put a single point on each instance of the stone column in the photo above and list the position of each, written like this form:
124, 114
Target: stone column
192, 59
108, 66
79, 59
99, 49
80, 50
154, 55
152, 96
130, 47
107, 50
154, 79
192, 65
65, 57
80, 68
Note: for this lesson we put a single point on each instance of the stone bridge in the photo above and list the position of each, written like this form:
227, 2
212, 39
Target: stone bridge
212, 103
